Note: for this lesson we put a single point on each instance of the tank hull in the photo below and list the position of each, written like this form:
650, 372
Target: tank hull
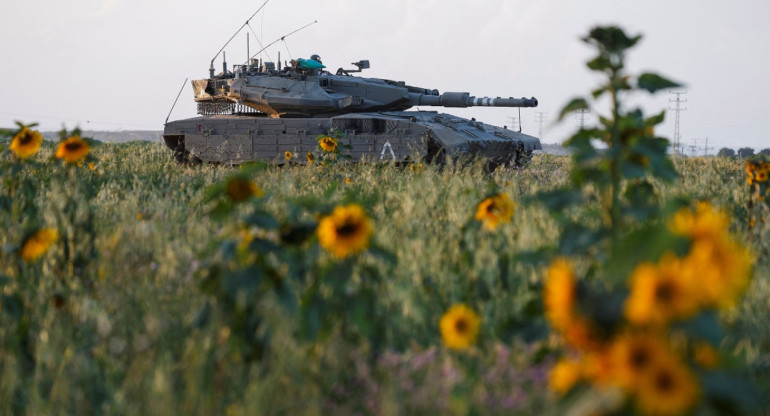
376, 136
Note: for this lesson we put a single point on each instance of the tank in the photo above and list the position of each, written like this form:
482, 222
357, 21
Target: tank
260, 111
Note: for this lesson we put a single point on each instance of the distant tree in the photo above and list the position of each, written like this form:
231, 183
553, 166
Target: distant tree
725, 152
745, 152
765, 151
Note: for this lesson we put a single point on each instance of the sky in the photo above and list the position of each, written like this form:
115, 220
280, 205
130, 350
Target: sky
119, 64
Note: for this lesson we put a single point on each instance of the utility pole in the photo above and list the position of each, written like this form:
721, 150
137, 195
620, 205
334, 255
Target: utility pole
706, 147
514, 123
541, 118
582, 117
678, 108
694, 147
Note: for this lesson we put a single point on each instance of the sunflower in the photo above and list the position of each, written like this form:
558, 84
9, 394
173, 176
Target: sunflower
26, 143
459, 327
703, 222
564, 375
723, 268
348, 180
668, 387
559, 293
328, 144
495, 210
310, 158
634, 354
346, 231
240, 189
661, 292
38, 243
287, 155
72, 149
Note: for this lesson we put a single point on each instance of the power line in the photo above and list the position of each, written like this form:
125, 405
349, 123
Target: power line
678, 108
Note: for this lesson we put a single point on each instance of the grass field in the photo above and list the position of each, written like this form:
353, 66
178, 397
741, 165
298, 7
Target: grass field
119, 315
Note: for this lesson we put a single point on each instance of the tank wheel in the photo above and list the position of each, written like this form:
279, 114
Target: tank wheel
436, 154
523, 157
182, 156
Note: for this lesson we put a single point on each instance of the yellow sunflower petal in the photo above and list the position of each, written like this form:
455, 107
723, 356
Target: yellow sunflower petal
346, 231
38, 244
72, 149
459, 327
26, 143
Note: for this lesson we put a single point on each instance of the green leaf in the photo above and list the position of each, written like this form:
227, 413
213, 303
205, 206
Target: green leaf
311, 314
600, 63
654, 82
705, 326
5, 203
262, 219
631, 169
647, 243
296, 234
656, 119
560, 199
202, 317
578, 238
642, 201
243, 284
574, 105
262, 246
611, 38
731, 395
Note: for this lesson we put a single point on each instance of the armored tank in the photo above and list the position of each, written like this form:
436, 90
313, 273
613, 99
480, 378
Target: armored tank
260, 111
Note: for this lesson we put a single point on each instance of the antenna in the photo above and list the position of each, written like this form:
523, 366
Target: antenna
174, 105
211, 68
282, 38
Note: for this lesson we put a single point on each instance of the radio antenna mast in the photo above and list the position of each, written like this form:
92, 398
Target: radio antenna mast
281, 38
177, 99
211, 68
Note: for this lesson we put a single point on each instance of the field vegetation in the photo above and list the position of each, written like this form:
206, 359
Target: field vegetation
615, 281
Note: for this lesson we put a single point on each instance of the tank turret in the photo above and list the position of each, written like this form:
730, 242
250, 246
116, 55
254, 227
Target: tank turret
305, 88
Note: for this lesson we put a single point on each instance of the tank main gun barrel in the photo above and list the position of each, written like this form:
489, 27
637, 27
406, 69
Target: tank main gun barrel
464, 99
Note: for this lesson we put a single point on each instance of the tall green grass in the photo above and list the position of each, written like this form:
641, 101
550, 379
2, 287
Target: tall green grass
131, 340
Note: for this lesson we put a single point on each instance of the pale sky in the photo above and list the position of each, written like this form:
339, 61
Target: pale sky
119, 64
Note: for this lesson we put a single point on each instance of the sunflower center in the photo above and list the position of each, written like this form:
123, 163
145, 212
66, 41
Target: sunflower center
664, 292
640, 357
26, 138
664, 382
461, 326
73, 146
347, 229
